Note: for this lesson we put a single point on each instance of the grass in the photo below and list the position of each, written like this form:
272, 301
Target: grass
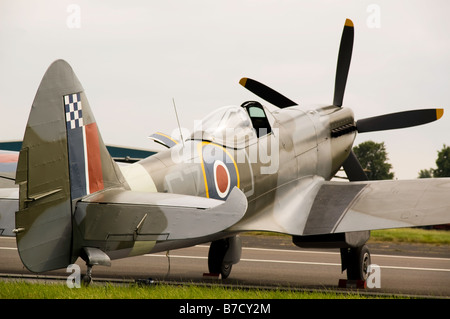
411, 235
26, 290
398, 235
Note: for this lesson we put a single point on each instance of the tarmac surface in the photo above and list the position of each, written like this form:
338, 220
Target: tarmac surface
275, 262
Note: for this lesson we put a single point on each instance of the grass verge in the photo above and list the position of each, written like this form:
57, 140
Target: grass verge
26, 290
412, 235
397, 235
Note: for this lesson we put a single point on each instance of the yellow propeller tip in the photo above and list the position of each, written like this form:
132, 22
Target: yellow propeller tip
439, 113
348, 23
243, 81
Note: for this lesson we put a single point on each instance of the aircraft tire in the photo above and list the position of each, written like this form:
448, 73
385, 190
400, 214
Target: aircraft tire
216, 254
359, 262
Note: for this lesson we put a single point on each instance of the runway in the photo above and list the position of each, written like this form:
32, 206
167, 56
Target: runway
419, 270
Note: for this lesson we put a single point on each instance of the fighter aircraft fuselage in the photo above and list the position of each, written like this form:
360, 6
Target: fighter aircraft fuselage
291, 147
300, 144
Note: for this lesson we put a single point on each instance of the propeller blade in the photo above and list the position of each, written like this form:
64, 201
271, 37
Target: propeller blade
398, 120
353, 169
343, 63
266, 93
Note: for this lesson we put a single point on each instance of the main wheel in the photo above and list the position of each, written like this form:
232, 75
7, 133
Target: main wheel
358, 264
216, 254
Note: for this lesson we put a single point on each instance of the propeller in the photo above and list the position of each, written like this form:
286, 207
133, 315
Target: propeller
390, 121
266, 93
353, 168
343, 65
343, 62
398, 120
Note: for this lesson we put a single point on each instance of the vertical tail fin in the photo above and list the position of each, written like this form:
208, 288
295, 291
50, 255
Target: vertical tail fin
62, 159
91, 168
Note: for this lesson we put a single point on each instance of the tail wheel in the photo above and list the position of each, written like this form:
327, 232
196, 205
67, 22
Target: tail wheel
86, 280
358, 265
216, 255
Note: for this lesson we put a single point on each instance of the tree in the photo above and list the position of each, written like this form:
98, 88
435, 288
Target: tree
373, 158
426, 173
442, 163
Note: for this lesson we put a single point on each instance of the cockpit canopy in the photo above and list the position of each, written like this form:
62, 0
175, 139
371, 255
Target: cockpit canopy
229, 126
234, 126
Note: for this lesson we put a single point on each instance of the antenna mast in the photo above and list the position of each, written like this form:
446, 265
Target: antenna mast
178, 121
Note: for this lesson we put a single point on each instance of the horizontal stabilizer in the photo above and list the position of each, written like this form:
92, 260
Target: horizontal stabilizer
9, 204
163, 139
137, 216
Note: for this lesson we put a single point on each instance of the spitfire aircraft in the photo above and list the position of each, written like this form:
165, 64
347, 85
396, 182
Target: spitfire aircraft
244, 168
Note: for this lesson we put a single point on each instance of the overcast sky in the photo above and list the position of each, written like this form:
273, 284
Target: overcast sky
133, 57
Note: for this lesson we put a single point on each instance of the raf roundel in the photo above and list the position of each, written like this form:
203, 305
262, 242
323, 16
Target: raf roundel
219, 171
221, 178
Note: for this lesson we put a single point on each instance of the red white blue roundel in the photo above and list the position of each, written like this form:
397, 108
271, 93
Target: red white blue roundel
221, 178
220, 171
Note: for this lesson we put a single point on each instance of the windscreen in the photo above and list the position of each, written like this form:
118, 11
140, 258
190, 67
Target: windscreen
229, 126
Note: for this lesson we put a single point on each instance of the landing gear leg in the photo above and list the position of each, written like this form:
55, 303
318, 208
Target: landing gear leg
216, 255
356, 261
93, 256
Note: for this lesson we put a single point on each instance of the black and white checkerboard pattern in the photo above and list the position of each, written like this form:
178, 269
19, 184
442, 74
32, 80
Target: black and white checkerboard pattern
74, 113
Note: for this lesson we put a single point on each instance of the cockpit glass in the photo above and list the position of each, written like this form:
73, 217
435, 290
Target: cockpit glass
256, 112
229, 125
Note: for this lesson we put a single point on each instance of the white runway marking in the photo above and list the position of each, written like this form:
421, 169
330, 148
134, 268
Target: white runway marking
299, 262
309, 262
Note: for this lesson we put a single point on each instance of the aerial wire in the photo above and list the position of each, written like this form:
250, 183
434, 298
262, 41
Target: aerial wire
178, 121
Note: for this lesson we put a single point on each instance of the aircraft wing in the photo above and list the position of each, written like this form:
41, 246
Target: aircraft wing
312, 206
358, 206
